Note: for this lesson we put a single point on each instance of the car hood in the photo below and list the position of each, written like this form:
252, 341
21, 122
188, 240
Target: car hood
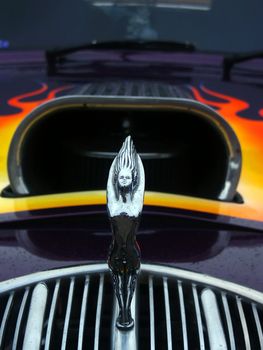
216, 239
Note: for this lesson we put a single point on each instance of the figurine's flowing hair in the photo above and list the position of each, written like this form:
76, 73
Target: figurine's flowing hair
127, 158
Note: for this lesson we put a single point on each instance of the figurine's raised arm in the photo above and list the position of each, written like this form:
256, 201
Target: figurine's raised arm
125, 187
125, 192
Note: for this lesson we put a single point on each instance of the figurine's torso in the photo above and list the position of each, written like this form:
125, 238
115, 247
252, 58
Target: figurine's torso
124, 251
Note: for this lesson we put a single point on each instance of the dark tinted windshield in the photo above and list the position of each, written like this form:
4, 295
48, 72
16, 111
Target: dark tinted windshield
212, 25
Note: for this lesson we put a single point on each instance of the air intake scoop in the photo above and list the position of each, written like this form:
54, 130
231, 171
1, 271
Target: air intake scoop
68, 145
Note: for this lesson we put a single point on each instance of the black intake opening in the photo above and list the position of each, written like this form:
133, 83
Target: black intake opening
72, 150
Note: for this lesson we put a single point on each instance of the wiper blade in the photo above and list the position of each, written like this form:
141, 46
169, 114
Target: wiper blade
55, 55
144, 45
230, 61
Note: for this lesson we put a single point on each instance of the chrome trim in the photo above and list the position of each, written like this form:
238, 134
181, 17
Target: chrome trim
98, 313
160, 270
125, 339
68, 312
128, 339
215, 330
151, 306
204, 279
198, 318
229, 322
134, 311
258, 325
36, 277
183, 316
5, 317
51, 315
167, 314
111, 155
34, 325
83, 312
19, 319
243, 323
113, 325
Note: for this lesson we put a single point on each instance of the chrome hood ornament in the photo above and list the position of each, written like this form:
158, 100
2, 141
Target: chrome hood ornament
125, 192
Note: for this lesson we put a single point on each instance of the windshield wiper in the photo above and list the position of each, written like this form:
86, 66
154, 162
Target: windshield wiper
230, 61
53, 57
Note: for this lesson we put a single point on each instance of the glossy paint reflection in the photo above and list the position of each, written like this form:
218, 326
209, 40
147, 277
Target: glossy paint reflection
232, 255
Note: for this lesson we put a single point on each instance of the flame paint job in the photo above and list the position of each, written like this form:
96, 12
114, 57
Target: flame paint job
9, 122
232, 109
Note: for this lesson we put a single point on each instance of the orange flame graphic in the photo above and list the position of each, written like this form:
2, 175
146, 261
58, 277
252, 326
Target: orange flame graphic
249, 133
229, 107
28, 106
9, 122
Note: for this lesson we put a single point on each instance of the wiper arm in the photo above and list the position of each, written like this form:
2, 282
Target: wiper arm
55, 55
230, 61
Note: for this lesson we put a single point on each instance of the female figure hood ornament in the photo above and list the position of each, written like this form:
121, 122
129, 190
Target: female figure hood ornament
125, 192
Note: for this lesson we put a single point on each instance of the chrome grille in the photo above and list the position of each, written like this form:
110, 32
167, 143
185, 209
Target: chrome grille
74, 308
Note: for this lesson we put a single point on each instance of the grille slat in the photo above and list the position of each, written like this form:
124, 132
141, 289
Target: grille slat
5, 317
52, 315
229, 322
258, 325
19, 318
169, 310
119, 339
151, 305
167, 314
213, 320
83, 313
68, 311
98, 313
243, 323
183, 315
198, 318
36, 313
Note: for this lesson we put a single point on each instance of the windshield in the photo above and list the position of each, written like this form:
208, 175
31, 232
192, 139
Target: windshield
211, 25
